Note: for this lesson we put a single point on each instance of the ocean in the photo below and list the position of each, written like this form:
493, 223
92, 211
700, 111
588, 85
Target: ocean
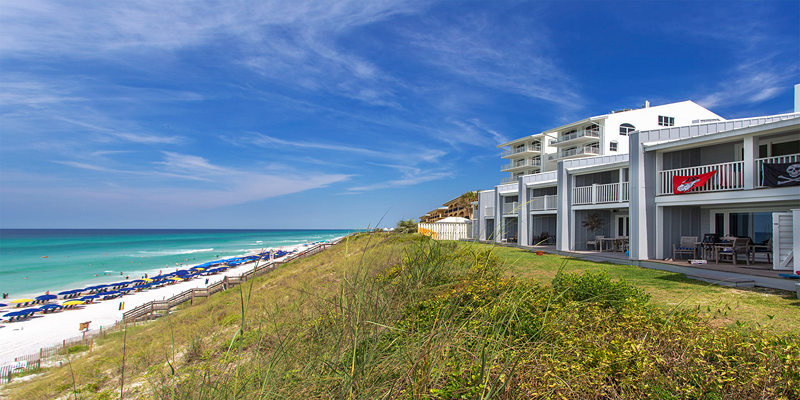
77, 258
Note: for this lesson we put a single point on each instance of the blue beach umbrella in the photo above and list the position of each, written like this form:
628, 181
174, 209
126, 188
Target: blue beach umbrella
47, 297
69, 292
181, 272
17, 313
50, 307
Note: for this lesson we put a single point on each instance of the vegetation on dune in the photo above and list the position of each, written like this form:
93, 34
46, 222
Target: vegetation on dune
403, 316
406, 226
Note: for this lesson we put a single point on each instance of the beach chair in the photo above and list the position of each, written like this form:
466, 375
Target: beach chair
597, 243
730, 251
688, 245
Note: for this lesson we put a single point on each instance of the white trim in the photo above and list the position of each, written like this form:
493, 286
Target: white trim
760, 195
603, 206
598, 168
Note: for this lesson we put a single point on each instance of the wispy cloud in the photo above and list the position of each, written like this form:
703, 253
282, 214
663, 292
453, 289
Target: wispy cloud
492, 53
410, 176
228, 186
766, 62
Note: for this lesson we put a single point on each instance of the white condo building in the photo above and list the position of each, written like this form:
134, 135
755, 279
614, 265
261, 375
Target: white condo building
595, 136
620, 168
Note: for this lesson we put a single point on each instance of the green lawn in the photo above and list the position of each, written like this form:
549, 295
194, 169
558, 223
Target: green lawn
773, 310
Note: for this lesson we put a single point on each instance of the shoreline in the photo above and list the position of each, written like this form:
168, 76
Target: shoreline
26, 337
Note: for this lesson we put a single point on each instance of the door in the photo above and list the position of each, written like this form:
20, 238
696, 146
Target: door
782, 241
623, 226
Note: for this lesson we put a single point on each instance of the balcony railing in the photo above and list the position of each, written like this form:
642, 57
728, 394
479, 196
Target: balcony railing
534, 162
601, 194
587, 150
729, 176
510, 208
508, 179
575, 135
791, 158
530, 147
542, 203
489, 211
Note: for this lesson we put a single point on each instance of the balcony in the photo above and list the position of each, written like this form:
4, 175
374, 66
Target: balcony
488, 212
508, 179
601, 194
531, 149
576, 152
579, 137
792, 158
728, 176
535, 162
543, 203
510, 208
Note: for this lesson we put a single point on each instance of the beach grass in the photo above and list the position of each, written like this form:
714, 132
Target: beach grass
769, 309
402, 316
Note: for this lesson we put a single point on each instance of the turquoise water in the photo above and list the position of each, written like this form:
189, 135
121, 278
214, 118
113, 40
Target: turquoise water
77, 258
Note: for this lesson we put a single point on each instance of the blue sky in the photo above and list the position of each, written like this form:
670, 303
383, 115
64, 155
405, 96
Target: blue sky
306, 114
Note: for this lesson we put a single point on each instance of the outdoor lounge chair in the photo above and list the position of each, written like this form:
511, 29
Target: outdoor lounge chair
597, 243
764, 248
544, 238
688, 246
731, 251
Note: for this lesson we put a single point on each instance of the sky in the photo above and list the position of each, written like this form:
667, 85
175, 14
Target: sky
338, 114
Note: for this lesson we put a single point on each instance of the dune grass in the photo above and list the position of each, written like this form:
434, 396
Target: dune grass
773, 310
401, 316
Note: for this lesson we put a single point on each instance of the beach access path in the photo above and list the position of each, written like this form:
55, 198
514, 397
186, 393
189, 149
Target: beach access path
28, 336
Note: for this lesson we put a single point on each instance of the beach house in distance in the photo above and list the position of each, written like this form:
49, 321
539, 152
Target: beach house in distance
652, 176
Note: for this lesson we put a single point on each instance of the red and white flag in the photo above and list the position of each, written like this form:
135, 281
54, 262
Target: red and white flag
683, 184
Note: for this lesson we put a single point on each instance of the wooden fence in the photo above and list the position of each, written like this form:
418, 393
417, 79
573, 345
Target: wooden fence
146, 311
445, 230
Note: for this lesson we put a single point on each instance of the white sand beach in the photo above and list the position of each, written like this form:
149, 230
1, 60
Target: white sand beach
28, 336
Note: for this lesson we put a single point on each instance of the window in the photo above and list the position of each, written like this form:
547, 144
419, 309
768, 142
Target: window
625, 129
613, 146
593, 128
666, 121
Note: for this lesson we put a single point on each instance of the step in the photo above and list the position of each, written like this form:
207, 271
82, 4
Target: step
721, 280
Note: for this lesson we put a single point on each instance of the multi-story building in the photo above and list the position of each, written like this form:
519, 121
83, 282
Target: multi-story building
596, 136
634, 194
454, 208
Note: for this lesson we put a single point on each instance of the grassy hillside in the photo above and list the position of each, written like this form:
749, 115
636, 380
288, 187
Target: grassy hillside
400, 316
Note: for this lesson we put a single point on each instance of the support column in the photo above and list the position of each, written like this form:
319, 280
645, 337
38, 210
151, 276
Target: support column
523, 214
564, 191
499, 224
750, 150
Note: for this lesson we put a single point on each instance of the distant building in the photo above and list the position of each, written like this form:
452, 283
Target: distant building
453, 208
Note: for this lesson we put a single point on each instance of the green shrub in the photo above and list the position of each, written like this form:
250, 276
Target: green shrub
77, 348
598, 288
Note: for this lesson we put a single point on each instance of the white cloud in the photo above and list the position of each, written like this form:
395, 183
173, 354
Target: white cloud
184, 181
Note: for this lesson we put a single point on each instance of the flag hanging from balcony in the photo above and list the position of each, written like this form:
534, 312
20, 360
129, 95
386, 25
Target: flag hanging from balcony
683, 184
782, 175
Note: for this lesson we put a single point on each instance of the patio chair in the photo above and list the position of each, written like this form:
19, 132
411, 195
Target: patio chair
731, 251
764, 248
541, 239
688, 246
597, 242
707, 245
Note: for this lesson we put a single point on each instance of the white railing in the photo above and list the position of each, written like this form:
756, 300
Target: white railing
582, 195
510, 208
600, 194
773, 160
530, 147
489, 211
524, 163
626, 191
729, 176
588, 150
542, 203
508, 179
575, 135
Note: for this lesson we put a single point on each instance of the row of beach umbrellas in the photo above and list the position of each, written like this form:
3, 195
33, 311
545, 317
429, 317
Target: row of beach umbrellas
121, 288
